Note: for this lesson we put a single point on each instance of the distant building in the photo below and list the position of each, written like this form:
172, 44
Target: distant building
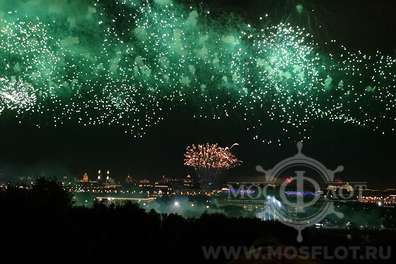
130, 180
85, 178
145, 183
188, 182
100, 177
108, 178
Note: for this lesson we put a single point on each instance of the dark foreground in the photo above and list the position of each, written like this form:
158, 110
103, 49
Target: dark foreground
41, 224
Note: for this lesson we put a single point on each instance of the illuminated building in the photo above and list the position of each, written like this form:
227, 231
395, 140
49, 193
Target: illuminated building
188, 182
145, 183
85, 178
100, 178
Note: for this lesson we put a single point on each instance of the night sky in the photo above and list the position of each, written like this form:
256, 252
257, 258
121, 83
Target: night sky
72, 148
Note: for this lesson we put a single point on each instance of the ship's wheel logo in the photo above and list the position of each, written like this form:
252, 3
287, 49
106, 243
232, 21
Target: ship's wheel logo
299, 181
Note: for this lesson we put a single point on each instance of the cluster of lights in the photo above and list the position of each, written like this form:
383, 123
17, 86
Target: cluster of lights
389, 200
142, 59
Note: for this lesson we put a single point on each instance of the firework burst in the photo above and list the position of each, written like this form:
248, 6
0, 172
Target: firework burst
210, 156
131, 63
